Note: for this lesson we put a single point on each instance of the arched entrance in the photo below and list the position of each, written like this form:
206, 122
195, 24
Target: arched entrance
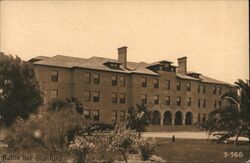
188, 118
178, 118
155, 118
167, 120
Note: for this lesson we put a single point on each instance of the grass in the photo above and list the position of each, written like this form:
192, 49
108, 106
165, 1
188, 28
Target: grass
190, 150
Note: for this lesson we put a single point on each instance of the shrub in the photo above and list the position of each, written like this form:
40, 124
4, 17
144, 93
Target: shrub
49, 130
147, 150
123, 140
116, 142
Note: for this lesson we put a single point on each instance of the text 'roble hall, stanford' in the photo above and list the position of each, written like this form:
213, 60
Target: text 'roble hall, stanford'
108, 87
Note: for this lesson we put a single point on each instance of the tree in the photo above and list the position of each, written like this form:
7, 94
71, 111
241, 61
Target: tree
123, 140
234, 119
19, 91
138, 117
69, 104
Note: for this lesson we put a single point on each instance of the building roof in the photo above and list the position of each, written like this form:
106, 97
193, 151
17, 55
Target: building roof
206, 79
61, 61
38, 58
183, 76
192, 72
98, 63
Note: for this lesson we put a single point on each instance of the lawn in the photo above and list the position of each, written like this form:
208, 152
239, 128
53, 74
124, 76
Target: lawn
190, 150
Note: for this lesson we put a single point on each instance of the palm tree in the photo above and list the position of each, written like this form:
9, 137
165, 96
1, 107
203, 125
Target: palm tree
138, 117
234, 119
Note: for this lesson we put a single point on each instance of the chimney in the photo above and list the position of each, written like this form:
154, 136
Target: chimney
182, 65
122, 56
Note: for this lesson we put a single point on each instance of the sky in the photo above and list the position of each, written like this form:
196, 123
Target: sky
212, 34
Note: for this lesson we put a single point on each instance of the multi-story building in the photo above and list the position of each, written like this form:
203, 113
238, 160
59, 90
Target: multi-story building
108, 87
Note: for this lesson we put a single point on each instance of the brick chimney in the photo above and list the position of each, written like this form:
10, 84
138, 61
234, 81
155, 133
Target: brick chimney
122, 56
182, 65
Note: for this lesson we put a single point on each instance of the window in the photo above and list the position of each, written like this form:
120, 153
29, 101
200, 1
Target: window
156, 99
87, 96
215, 104
188, 86
178, 101
96, 114
168, 100
122, 81
113, 65
219, 103
114, 97
214, 90
166, 67
122, 98
54, 93
144, 99
87, 79
122, 115
199, 103
203, 89
156, 83
178, 85
144, 82
199, 117
219, 90
54, 75
96, 96
204, 103
204, 118
114, 115
189, 101
168, 84
86, 113
114, 80
96, 78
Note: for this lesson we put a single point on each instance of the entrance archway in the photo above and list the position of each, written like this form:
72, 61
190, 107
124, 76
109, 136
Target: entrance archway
155, 117
178, 118
167, 120
188, 118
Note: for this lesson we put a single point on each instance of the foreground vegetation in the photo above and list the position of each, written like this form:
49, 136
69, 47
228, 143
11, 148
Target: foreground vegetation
201, 150
232, 120
185, 150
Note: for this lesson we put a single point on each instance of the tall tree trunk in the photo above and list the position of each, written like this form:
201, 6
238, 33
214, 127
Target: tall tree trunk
237, 137
124, 156
81, 157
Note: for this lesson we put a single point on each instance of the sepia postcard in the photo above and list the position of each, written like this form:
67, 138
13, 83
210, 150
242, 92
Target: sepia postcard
122, 81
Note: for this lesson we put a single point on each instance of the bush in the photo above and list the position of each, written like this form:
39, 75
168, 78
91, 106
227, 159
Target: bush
49, 130
147, 150
117, 142
103, 126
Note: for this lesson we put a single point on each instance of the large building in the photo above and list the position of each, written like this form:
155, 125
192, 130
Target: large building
108, 87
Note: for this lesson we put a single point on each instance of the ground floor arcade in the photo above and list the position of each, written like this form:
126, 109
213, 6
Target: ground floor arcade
175, 118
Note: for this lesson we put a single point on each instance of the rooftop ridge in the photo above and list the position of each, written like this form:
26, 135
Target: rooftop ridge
97, 63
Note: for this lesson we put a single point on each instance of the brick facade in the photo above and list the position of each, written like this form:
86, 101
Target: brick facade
191, 102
